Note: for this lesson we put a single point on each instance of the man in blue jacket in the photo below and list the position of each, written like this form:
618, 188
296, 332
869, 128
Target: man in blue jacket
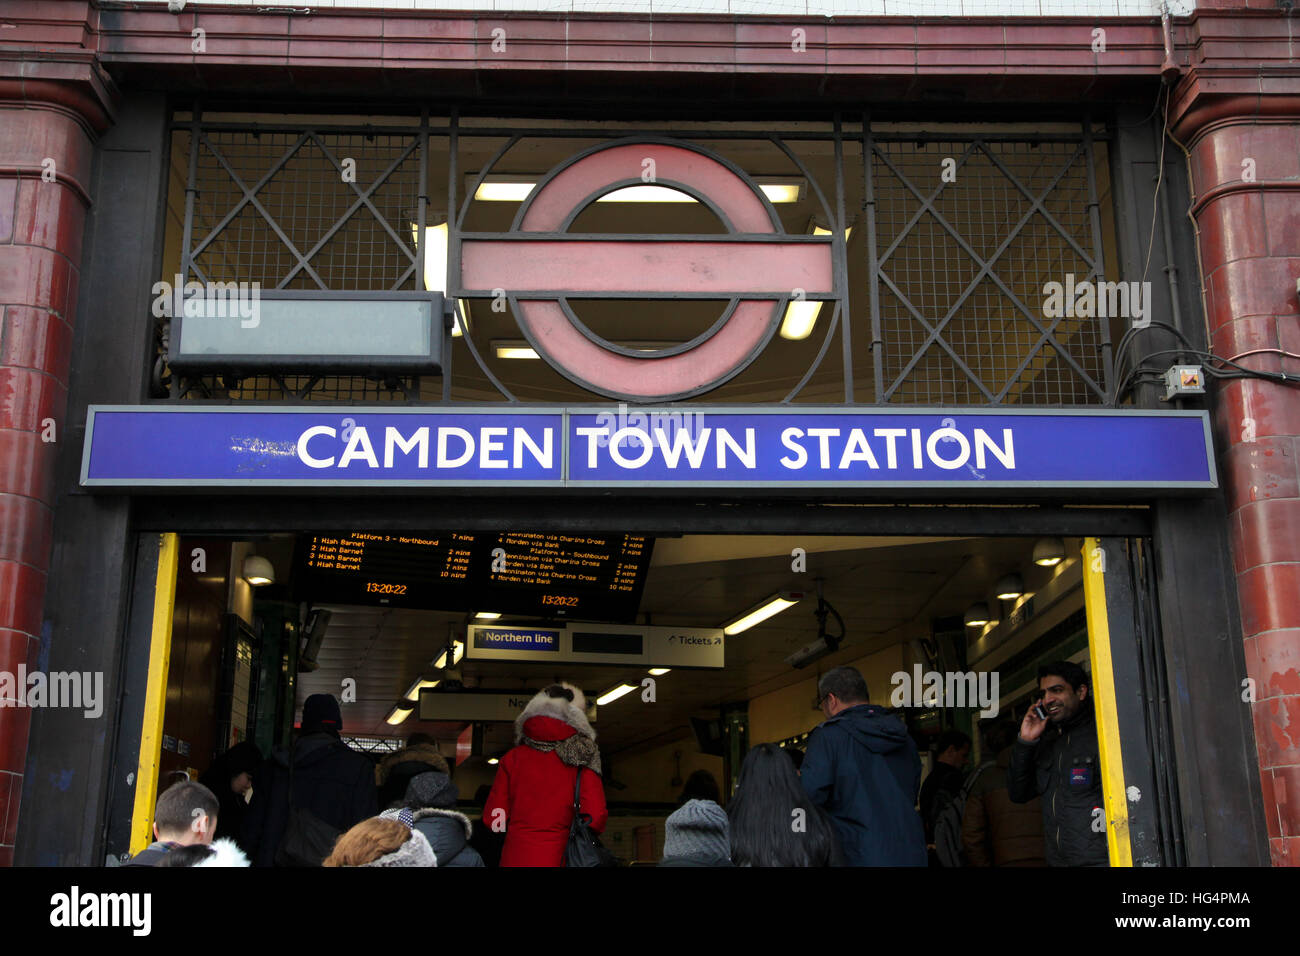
862, 768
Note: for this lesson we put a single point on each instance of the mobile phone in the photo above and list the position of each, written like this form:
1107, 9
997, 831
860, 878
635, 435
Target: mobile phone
1039, 712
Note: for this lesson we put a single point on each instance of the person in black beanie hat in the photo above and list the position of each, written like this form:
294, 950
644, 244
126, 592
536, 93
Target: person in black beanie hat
697, 835
320, 715
330, 782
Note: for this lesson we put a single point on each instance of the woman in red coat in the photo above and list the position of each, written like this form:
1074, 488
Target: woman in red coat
532, 795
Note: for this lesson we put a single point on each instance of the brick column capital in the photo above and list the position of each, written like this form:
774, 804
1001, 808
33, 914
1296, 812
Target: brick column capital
1191, 117
49, 59
76, 86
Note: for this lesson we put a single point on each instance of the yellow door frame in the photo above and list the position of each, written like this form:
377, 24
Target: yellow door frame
1114, 792
151, 729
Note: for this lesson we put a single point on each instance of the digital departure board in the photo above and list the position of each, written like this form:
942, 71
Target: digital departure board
584, 577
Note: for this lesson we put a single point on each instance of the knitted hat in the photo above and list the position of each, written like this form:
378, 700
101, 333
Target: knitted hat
320, 712
431, 789
403, 815
698, 828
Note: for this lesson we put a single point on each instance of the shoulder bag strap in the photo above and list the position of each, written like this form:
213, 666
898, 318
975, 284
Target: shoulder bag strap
577, 795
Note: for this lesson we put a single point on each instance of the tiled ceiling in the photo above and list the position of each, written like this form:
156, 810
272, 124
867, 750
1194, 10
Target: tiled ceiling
888, 590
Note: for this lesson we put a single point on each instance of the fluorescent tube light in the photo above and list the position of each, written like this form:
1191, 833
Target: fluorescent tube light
762, 611
800, 317
515, 188
512, 350
782, 191
503, 191
435, 270
519, 349
612, 695
801, 314
413, 692
399, 713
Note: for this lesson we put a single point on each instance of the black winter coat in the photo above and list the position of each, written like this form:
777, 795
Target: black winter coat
862, 768
330, 780
1064, 768
448, 833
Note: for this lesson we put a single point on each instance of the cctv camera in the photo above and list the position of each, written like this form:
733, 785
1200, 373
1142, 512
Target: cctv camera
175, 6
810, 652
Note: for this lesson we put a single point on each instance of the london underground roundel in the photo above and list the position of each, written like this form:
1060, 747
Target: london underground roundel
540, 265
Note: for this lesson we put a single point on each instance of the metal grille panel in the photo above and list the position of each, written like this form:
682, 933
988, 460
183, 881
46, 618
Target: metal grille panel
953, 266
962, 264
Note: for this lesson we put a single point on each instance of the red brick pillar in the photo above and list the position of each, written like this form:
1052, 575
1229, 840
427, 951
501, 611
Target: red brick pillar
46, 136
1245, 166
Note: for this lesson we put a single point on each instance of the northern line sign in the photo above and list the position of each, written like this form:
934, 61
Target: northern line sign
699, 447
691, 446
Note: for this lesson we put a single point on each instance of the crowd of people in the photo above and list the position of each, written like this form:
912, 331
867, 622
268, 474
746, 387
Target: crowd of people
854, 798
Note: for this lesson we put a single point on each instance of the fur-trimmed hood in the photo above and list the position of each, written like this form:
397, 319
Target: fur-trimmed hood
414, 852
410, 817
420, 754
224, 853
555, 724
574, 714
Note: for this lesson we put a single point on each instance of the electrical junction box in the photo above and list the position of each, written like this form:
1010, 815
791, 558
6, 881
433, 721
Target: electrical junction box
1184, 380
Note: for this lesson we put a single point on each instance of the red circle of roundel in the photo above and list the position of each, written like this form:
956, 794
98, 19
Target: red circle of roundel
755, 259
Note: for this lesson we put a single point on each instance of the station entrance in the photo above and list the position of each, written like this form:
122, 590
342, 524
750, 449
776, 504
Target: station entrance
691, 649
874, 402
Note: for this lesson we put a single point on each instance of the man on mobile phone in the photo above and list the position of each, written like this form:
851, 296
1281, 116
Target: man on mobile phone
1056, 757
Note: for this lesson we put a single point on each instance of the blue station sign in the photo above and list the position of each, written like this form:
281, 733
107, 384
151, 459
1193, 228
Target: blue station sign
828, 448
516, 639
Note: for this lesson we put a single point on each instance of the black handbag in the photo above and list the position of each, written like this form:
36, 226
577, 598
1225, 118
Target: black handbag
307, 838
584, 847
